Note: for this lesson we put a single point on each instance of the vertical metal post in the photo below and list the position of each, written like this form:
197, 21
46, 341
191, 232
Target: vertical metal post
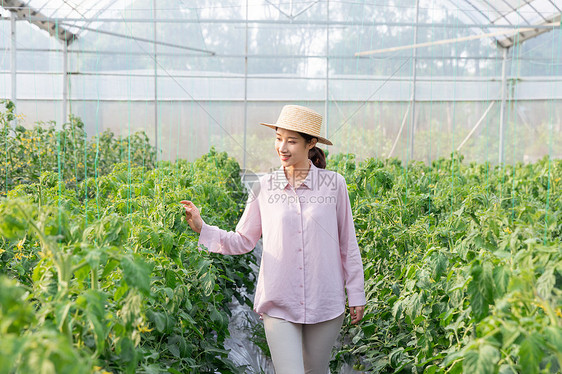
65, 82
155, 81
245, 88
502, 108
414, 76
13, 65
327, 86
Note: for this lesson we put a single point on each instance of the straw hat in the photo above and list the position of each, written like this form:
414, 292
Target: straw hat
301, 119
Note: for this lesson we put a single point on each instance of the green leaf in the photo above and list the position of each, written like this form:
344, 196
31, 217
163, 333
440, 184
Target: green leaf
120, 292
208, 282
415, 305
396, 357
545, 283
506, 369
482, 360
431, 369
215, 315
108, 268
531, 353
174, 350
554, 337
11, 350
13, 224
61, 312
158, 319
501, 276
440, 266
93, 302
480, 290
126, 351
137, 273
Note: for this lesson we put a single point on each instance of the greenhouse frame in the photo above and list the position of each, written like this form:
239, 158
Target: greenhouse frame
479, 55
142, 199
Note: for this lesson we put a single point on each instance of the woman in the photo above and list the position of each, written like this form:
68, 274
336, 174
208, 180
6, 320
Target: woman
310, 252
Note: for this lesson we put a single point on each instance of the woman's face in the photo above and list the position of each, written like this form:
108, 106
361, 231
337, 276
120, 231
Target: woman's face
292, 147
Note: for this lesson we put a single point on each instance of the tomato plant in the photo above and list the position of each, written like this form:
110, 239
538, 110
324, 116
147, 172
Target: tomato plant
463, 266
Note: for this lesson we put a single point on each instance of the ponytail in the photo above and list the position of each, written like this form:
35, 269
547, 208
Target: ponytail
317, 156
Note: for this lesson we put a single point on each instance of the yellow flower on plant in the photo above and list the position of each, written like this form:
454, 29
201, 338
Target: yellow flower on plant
20, 244
538, 305
143, 328
2, 250
507, 230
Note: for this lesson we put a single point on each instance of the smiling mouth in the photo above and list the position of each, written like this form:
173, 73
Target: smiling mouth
284, 157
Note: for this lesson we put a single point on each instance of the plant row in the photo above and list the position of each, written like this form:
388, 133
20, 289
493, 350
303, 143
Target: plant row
26, 153
104, 276
463, 266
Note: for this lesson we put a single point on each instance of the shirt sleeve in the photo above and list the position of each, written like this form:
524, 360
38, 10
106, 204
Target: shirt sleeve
349, 249
242, 240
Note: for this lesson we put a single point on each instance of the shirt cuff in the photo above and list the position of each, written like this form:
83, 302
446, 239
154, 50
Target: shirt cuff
356, 299
206, 237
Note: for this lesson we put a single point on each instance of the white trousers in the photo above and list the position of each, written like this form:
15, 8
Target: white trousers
301, 348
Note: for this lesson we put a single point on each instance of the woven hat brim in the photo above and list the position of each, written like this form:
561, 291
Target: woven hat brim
320, 138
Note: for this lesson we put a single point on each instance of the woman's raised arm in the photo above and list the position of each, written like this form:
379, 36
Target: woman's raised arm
242, 240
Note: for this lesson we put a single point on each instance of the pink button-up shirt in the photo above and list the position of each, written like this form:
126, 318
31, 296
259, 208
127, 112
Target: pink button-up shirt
310, 252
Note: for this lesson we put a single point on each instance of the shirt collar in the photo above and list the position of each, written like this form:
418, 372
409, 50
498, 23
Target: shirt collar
308, 181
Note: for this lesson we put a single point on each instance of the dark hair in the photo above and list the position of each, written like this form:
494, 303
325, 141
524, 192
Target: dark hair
315, 154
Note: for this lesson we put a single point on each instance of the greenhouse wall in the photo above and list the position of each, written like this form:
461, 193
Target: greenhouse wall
237, 70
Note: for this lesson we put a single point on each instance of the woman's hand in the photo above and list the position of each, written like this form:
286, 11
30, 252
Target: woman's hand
356, 313
192, 216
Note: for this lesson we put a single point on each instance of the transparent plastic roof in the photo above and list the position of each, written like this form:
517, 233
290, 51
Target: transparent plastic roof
68, 9
70, 19
510, 13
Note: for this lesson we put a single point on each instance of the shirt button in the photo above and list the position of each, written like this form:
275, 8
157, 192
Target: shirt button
299, 231
302, 302
300, 250
300, 267
301, 285
298, 212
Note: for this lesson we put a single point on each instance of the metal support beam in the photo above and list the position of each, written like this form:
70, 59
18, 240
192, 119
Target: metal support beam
245, 88
527, 34
65, 83
448, 41
327, 84
399, 131
502, 108
155, 83
476, 126
414, 74
269, 56
117, 35
13, 61
309, 23
24, 11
